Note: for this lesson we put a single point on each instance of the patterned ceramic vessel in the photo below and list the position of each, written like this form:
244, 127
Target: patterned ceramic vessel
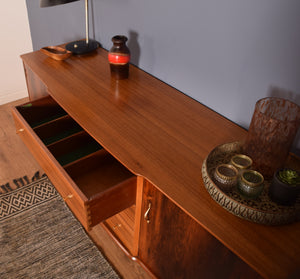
226, 176
250, 184
241, 161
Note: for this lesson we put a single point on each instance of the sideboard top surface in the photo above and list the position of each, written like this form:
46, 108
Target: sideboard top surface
163, 135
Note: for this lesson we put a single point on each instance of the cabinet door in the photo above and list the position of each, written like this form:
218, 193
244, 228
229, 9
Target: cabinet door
173, 245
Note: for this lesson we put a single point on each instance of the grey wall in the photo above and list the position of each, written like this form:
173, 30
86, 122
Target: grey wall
226, 54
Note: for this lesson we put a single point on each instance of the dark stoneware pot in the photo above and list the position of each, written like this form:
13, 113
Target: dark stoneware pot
283, 193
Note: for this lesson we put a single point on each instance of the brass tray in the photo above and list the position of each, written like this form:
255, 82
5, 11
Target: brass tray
262, 210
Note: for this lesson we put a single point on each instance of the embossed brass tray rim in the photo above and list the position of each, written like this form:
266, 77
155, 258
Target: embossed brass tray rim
280, 214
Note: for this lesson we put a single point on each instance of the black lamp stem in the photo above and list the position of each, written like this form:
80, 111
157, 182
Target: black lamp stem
82, 46
87, 45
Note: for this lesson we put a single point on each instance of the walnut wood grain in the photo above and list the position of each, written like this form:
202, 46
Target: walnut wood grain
173, 245
161, 134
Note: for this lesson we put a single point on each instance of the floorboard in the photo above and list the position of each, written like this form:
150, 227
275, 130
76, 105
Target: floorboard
16, 162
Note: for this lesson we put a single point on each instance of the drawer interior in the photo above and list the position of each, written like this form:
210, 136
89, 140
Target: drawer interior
97, 173
41, 111
73, 148
91, 167
57, 129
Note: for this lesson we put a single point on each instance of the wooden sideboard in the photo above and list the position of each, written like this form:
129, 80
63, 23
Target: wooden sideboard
139, 147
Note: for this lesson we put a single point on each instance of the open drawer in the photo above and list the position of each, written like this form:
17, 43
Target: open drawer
92, 182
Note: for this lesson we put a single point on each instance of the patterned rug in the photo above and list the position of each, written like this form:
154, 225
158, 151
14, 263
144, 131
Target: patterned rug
40, 237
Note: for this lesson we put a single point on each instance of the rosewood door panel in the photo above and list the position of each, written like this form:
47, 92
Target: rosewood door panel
173, 245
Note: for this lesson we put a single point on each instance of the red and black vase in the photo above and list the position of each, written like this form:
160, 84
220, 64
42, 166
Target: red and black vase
119, 57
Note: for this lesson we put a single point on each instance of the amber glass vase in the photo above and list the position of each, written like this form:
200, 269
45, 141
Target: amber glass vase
119, 57
273, 127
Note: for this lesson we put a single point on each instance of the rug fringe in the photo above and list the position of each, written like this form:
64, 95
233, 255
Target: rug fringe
20, 182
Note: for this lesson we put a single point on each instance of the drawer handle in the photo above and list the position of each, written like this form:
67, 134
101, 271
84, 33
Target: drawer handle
70, 196
21, 130
117, 226
146, 216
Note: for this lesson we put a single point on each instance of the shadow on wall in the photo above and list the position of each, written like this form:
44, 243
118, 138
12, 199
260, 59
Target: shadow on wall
275, 91
278, 92
134, 47
92, 26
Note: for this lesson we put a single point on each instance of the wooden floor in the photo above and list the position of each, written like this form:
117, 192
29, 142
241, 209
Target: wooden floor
17, 162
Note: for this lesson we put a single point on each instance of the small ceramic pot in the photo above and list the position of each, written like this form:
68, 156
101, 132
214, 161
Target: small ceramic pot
283, 193
226, 176
119, 57
250, 184
241, 161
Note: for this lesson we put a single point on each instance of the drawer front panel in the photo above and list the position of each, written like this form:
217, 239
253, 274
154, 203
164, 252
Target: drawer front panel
79, 209
112, 201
